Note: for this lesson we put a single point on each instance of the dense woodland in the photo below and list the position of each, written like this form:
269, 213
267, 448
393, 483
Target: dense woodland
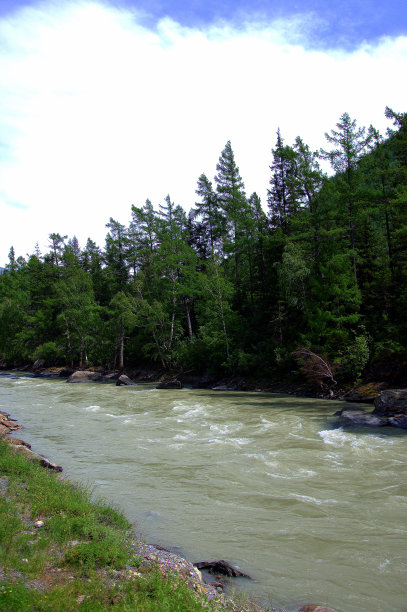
320, 278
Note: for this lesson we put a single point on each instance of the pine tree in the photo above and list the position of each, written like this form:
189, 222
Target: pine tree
350, 145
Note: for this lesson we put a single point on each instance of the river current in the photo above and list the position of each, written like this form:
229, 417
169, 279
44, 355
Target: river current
313, 513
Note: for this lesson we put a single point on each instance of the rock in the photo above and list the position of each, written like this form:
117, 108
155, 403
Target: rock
170, 384
391, 402
4, 431
217, 585
83, 376
398, 420
315, 608
360, 418
366, 393
124, 380
38, 364
9, 424
18, 442
221, 567
23, 450
111, 376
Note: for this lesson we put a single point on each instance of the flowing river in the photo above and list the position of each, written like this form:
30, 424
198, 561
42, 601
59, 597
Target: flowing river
313, 513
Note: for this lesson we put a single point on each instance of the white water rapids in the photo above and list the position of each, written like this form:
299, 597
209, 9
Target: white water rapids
313, 513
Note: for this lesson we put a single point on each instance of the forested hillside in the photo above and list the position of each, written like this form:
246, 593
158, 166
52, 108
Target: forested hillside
230, 288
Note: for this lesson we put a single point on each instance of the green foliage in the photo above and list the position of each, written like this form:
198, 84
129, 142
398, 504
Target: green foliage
354, 358
49, 351
228, 288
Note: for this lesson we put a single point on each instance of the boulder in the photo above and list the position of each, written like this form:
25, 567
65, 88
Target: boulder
170, 384
221, 567
83, 376
360, 418
398, 420
365, 393
124, 380
391, 402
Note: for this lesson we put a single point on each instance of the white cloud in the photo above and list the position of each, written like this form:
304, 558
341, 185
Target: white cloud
98, 112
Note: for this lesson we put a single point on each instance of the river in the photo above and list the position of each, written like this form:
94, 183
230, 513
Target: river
266, 481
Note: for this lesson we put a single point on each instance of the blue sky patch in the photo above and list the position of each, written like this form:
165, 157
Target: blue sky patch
343, 23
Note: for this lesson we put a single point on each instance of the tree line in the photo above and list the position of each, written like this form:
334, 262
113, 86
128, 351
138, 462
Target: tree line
230, 287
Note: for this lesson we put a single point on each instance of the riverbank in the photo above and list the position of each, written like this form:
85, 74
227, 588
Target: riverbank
58, 544
199, 381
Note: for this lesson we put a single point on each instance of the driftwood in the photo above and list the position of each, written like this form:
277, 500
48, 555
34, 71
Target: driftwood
221, 567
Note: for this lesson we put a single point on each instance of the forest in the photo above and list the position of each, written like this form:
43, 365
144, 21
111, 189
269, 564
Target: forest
318, 274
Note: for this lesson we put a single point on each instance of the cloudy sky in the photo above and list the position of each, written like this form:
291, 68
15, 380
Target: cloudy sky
105, 104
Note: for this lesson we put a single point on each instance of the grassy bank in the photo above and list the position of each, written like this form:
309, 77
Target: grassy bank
60, 550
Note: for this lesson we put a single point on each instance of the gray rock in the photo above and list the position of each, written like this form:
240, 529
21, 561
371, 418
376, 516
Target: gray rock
83, 376
398, 420
360, 418
391, 402
124, 380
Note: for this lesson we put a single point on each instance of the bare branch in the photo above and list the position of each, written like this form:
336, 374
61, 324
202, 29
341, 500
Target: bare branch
315, 368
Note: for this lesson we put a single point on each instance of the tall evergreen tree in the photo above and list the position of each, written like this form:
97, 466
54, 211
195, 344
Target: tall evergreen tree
350, 144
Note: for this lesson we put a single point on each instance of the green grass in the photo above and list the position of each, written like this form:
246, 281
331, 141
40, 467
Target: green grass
72, 561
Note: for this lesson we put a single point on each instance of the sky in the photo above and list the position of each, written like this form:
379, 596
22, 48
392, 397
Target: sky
106, 104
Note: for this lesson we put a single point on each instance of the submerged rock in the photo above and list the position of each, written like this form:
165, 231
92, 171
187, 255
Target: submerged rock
124, 380
221, 567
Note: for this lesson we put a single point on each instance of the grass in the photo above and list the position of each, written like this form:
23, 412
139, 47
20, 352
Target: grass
83, 557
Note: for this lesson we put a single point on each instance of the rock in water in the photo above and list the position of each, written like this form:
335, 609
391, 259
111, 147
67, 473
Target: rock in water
124, 380
391, 402
221, 567
82, 376
360, 418
398, 420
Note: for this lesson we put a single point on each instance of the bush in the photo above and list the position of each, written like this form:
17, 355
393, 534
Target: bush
50, 352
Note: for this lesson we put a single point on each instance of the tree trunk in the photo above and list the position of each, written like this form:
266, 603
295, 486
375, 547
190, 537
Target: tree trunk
186, 302
121, 344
